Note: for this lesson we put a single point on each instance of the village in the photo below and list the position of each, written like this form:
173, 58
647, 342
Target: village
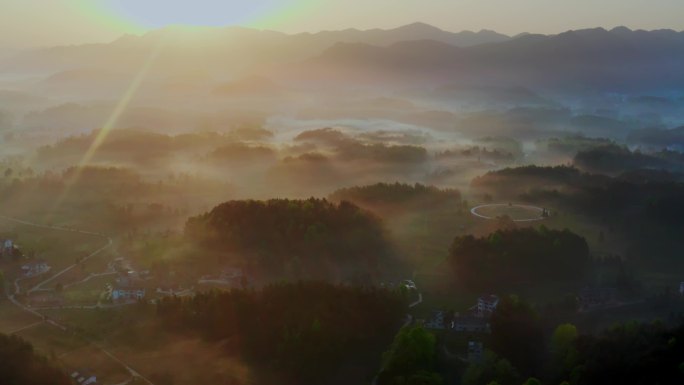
44, 285
38, 286
119, 283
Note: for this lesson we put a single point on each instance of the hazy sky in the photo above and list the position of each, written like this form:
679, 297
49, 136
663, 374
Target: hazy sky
49, 22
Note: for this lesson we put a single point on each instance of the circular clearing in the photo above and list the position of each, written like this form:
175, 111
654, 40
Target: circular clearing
514, 211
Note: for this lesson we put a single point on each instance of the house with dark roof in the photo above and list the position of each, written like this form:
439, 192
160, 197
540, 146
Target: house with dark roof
435, 321
486, 305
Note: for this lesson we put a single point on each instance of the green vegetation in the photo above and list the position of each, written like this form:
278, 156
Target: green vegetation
285, 328
614, 160
493, 370
480, 153
570, 145
517, 335
644, 213
630, 353
308, 238
19, 365
106, 199
386, 197
508, 258
411, 360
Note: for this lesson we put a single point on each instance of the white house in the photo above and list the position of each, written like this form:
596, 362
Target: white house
486, 305
8, 247
35, 268
124, 293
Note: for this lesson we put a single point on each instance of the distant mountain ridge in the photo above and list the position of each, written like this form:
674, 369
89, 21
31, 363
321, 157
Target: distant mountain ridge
233, 48
613, 60
619, 59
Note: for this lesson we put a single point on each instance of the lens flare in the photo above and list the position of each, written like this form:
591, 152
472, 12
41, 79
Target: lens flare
105, 15
109, 124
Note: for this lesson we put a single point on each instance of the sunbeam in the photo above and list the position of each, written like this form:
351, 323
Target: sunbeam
109, 124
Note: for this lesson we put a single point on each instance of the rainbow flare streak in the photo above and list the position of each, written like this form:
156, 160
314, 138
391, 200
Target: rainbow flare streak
110, 123
105, 13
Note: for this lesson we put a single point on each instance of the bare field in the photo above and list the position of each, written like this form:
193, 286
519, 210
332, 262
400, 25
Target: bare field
13, 318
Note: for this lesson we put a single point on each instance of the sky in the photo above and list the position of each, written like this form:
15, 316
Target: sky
29, 23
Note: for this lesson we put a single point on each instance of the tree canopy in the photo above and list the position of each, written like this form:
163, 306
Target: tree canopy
20, 365
411, 359
507, 258
303, 331
517, 334
313, 237
398, 196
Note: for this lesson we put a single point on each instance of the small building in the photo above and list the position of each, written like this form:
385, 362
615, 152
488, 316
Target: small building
681, 288
475, 352
83, 377
8, 248
486, 305
127, 293
469, 324
34, 268
435, 321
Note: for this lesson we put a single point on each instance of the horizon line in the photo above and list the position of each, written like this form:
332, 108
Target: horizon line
415, 23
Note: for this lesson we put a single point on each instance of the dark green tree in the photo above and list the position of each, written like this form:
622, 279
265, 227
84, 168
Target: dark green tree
517, 334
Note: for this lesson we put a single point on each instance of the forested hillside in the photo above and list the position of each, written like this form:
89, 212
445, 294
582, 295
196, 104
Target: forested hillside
508, 258
310, 238
398, 196
305, 332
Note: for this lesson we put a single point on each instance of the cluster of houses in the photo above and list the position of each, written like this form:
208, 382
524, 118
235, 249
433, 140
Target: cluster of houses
128, 285
475, 320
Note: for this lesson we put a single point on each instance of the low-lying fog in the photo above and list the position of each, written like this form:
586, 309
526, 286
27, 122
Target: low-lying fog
265, 131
